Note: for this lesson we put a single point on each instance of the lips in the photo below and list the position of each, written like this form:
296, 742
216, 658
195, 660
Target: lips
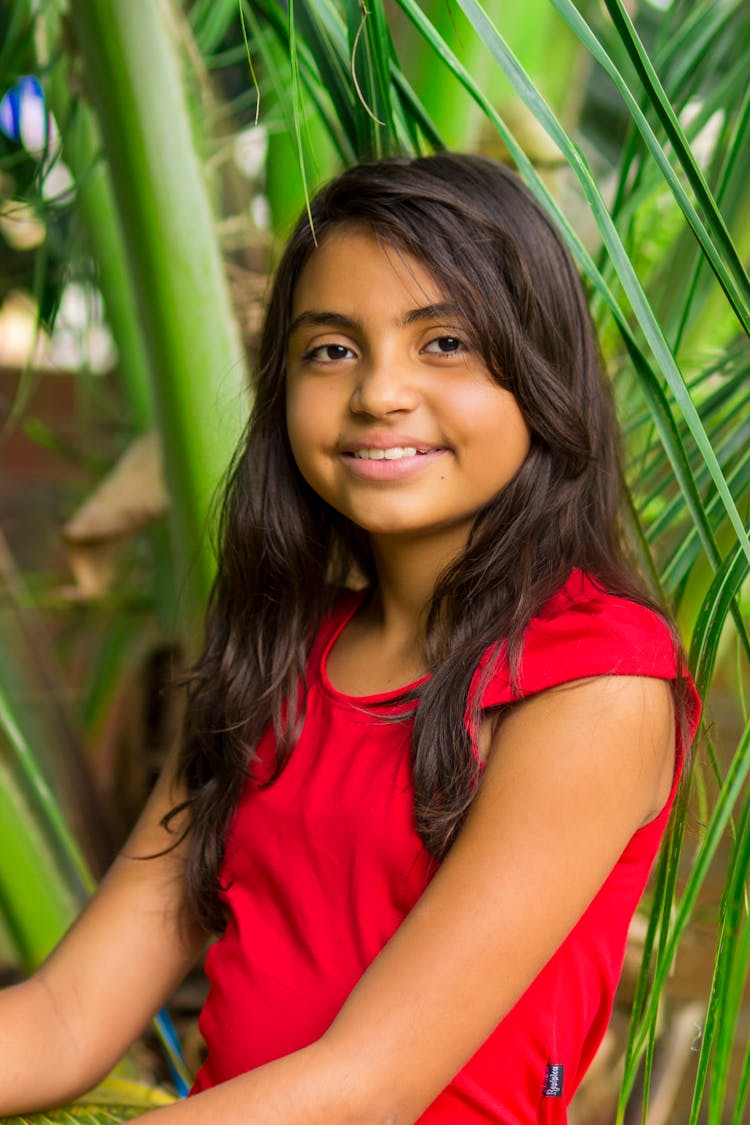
392, 462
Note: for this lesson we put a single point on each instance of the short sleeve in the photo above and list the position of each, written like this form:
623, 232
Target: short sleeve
582, 631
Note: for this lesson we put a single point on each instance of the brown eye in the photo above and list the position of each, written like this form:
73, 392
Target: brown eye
328, 353
445, 345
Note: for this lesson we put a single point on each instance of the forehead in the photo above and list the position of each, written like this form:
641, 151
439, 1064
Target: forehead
354, 266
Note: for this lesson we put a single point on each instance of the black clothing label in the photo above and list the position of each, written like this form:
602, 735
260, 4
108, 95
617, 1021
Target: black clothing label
553, 1080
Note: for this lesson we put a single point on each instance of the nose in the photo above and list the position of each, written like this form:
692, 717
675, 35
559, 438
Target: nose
384, 385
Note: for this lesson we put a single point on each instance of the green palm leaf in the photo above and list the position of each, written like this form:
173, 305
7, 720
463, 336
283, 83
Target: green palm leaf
115, 1100
670, 929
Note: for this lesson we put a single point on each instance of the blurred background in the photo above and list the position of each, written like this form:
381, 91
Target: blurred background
153, 155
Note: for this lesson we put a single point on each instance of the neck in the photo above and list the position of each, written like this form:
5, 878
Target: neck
408, 571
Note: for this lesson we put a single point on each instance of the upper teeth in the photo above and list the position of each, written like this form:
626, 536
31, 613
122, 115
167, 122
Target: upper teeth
386, 454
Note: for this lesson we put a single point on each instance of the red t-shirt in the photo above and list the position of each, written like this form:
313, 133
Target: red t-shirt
323, 865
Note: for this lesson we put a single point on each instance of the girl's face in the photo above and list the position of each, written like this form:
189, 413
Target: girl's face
393, 419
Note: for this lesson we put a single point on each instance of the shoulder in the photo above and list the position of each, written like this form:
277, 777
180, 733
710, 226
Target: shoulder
582, 631
585, 630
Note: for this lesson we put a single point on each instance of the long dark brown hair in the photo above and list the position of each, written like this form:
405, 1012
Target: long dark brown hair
282, 550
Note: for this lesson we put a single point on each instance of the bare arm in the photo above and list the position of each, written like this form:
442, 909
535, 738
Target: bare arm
64, 1028
571, 775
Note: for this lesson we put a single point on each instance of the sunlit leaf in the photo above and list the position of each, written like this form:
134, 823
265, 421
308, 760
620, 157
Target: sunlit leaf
114, 1100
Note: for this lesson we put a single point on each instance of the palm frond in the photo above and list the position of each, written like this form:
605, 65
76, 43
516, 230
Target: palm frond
113, 1101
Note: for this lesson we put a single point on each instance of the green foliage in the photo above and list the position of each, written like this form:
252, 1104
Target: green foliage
135, 73
115, 1100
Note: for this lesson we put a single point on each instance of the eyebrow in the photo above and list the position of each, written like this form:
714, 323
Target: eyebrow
313, 318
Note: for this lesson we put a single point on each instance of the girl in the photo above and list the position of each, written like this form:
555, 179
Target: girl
435, 733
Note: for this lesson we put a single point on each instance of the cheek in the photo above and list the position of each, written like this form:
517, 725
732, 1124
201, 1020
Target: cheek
506, 447
306, 429
505, 436
518, 436
515, 444
296, 429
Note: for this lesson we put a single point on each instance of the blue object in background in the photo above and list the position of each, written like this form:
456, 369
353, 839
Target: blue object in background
173, 1052
23, 115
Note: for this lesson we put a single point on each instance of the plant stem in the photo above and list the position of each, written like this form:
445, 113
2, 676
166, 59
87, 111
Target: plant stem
134, 73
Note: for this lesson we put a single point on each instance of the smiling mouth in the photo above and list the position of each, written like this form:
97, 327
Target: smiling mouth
393, 454
391, 463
